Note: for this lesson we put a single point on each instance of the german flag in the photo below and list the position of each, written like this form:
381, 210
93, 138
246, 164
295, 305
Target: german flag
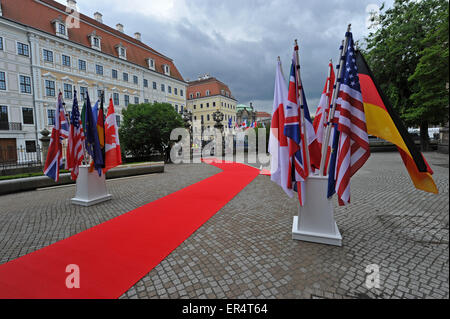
382, 121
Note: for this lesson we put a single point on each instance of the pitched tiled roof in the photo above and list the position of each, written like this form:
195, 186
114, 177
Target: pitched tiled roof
39, 14
214, 86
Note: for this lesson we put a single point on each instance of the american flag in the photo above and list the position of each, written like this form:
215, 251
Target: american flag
353, 150
296, 141
75, 150
60, 131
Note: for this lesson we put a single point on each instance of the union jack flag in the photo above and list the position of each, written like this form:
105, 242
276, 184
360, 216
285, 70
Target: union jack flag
353, 148
75, 145
60, 131
296, 140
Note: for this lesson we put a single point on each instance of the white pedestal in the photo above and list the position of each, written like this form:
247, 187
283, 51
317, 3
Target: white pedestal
315, 221
91, 188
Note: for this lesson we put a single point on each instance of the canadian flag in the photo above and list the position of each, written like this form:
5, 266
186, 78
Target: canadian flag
113, 157
278, 143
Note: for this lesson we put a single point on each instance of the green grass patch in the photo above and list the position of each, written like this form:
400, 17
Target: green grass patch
24, 175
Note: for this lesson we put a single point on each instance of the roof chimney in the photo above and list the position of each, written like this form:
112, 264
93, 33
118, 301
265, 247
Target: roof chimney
98, 16
137, 36
72, 4
119, 27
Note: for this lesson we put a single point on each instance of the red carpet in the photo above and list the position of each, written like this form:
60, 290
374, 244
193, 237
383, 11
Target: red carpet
114, 255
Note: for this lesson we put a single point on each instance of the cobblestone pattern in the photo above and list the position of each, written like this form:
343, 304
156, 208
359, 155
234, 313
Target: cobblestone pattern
246, 249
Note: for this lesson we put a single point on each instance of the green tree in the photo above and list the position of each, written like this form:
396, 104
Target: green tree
146, 128
431, 76
394, 51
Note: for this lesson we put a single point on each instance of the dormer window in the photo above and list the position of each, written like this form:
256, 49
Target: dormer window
121, 51
151, 64
96, 41
60, 27
166, 69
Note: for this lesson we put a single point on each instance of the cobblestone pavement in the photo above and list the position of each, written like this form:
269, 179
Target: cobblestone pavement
246, 249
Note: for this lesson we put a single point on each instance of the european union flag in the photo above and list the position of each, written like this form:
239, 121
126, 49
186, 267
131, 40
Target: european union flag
92, 141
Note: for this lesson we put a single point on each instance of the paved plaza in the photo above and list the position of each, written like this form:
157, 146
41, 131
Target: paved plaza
246, 249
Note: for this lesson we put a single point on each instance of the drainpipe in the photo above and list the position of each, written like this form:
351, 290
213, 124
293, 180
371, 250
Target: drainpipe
34, 90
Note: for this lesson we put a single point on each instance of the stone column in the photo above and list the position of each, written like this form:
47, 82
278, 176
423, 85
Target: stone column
45, 142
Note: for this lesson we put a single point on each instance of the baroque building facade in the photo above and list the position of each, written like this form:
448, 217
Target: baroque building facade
47, 47
205, 96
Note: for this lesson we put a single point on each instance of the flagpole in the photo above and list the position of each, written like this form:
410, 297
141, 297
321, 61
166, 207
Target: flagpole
337, 84
325, 146
302, 113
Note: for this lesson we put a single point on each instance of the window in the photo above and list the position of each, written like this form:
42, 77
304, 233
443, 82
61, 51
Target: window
176, 108
154, 86
82, 65
127, 100
2, 81
83, 91
30, 146
22, 49
122, 53
207, 117
145, 83
198, 94
207, 92
201, 105
151, 63
116, 98
195, 107
202, 119
96, 42
195, 118
162, 88
99, 69
48, 55
169, 89
49, 88
125, 77
4, 117
67, 91
181, 92
118, 120
62, 29
27, 115
166, 69
214, 104
175, 90
66, 60
114, 74
99, 93
1, 43
207, 104
181, 108
146, 101
191, 96
51, 117
135, 79
136, 100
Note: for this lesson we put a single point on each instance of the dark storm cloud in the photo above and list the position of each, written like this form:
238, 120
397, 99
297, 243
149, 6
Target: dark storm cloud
238, 41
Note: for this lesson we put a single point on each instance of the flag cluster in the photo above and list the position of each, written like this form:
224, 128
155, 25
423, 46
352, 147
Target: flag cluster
337, 144
89, 132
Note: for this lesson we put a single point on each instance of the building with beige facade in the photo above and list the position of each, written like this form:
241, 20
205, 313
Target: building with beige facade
205, 96
47, 47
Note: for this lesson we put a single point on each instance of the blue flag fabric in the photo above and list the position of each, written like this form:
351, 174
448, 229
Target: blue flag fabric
229, 122
95, 112
332, 164
92, 142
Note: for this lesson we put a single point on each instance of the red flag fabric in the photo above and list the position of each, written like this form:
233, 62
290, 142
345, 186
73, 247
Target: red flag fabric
113, 156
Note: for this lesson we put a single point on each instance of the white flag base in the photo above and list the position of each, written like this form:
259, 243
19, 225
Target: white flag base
91, 188
315, 221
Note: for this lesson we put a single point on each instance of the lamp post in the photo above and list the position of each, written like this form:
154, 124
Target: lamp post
187, 118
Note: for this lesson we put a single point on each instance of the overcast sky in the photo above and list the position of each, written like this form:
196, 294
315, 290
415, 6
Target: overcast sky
238, 41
